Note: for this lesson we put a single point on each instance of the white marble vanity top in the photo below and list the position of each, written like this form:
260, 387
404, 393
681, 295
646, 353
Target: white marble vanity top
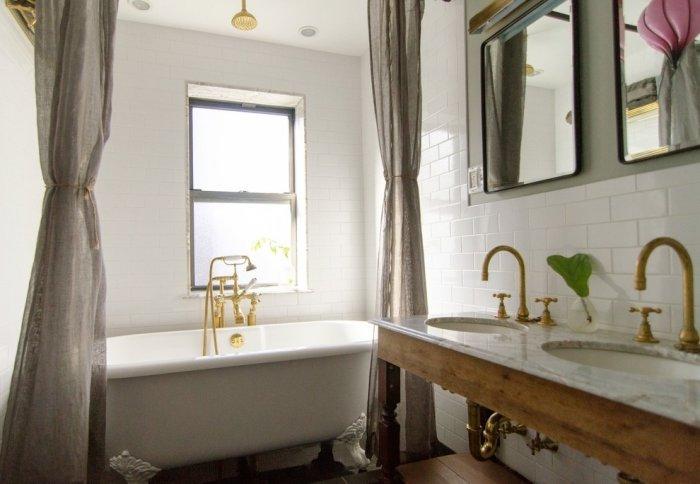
673, 398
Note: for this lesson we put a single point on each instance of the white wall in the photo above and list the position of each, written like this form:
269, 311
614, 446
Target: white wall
373, 185
142, 185
20, 188
608, 219
563, 131
538, 152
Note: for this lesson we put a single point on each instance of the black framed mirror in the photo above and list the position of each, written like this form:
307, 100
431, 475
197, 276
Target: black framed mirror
530, 98
657, 52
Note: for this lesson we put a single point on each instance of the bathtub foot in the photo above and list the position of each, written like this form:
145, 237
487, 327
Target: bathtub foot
133, 470
352, 438
324, 466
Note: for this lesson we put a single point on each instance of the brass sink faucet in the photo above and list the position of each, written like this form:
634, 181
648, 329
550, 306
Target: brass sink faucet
523, 315
688, 338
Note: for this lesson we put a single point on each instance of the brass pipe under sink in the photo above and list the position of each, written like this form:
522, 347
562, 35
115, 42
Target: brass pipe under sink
497, 426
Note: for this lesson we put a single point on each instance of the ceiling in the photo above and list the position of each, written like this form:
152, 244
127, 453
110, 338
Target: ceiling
342, 24
550, 50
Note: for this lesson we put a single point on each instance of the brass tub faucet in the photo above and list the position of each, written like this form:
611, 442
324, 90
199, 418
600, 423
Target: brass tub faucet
228, 290
523, 315
688, 338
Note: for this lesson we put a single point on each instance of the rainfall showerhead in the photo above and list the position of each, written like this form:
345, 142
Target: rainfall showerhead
244, 20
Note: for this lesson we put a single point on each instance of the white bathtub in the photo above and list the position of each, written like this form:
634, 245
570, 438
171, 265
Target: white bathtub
289, 384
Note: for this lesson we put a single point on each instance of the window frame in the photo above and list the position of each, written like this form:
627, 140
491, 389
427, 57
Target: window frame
245, 197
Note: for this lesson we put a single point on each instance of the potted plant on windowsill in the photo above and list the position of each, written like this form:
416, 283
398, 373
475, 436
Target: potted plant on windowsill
576, 270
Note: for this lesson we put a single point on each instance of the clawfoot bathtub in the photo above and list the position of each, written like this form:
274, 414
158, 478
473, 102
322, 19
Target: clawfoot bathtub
288, 384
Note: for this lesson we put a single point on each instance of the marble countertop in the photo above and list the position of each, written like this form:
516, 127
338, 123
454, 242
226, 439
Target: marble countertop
523, 350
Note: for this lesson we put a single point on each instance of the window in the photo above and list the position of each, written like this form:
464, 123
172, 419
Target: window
242, 189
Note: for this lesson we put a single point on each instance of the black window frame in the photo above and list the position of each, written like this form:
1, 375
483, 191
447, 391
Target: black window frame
207, 196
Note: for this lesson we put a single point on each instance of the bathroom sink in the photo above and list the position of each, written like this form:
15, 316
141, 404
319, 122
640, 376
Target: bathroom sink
627, 359
476, 325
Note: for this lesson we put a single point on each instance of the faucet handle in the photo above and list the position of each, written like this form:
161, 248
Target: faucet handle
645, 310
546, 300
546, 318
502, 314
644, 334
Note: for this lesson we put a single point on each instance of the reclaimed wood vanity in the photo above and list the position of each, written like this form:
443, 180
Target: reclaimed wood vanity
646, 426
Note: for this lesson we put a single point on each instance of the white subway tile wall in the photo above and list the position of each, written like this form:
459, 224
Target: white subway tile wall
143, 181
609, 220
21, 189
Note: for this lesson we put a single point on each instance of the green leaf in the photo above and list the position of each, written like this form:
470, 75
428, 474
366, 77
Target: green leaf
575, 271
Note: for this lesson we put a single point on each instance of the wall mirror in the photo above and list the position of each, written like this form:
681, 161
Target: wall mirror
658, 74
530, 113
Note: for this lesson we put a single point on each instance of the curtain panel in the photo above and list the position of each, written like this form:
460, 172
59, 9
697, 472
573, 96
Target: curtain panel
55, 421
679, 100
504, 97
394, 34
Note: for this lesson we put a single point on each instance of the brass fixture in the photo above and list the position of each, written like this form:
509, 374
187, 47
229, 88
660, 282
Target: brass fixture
491, 14
688, 338
531, 71
523, 315
546, 318
644, 109
497, 427
236, 340
24, 12
644, 334
252, 312
215, 303
538, 444
502, 314
244, 20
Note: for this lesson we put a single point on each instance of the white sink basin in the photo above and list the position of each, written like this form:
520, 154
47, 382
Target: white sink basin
631, 359
476, 325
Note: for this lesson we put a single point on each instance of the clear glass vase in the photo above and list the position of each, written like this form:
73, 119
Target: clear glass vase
582, 316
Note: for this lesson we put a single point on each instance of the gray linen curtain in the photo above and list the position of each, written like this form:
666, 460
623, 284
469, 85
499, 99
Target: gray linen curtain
504, 98
54, 425
679, 99
394, 33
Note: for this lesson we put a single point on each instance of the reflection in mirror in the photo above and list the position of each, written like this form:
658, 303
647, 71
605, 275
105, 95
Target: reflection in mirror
659, 76
529, 75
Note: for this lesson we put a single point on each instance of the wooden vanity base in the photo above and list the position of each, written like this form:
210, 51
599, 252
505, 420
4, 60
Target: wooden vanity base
648, 446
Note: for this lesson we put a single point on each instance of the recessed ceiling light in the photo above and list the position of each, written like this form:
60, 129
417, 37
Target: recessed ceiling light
142, 5
308, 31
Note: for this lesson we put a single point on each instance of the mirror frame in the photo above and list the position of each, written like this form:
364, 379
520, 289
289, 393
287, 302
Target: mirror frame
576, 99
621, 110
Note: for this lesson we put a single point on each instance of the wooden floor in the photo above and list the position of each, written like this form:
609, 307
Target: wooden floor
458, 469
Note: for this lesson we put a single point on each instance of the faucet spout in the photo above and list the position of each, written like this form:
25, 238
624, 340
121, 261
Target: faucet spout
688, 339
523, 315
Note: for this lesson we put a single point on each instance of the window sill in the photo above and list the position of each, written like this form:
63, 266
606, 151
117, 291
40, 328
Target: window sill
263, 290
